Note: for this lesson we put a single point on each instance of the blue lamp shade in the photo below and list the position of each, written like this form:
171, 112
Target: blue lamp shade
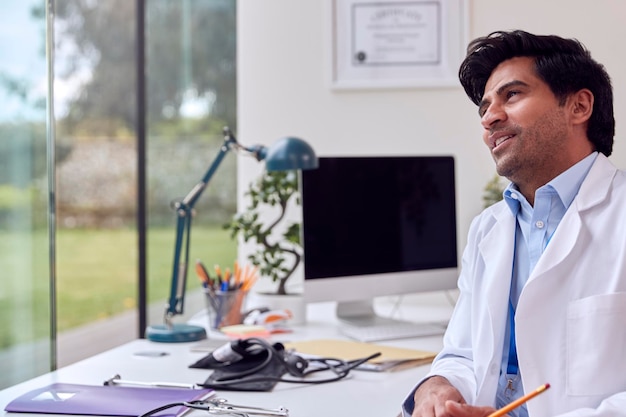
289, 154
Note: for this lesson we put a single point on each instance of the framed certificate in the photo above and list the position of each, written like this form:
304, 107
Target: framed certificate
397, 43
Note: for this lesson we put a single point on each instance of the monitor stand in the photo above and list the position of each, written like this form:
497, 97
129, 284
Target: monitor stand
359, 321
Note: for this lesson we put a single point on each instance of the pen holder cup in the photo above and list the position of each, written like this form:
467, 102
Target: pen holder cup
224, 307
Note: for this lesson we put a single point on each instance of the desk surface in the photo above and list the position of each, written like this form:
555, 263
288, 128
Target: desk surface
361, 393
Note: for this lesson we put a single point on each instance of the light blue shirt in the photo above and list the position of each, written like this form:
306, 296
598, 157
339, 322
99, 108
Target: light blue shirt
535, 227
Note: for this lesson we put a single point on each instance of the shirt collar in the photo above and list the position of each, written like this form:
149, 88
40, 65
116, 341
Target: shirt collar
565, 184
568, 183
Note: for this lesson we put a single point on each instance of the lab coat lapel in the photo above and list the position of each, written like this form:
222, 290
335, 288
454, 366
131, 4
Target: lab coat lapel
569, 233
496, 250
561, 245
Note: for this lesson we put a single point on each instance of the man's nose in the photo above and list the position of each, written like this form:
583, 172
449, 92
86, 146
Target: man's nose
493, 114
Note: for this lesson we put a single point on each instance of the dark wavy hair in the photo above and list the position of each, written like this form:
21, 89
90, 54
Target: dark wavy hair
564, 64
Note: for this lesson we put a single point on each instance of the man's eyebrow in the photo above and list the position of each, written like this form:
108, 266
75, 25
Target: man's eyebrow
501, 90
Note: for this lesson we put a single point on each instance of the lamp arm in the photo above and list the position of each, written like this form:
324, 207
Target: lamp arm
286, 154
184, 209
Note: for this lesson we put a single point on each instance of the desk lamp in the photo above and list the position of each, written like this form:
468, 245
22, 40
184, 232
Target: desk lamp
286, 154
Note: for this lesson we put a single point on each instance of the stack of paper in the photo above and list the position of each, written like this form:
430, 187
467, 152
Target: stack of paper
391, 358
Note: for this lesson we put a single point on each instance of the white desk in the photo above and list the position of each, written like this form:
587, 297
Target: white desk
362, 393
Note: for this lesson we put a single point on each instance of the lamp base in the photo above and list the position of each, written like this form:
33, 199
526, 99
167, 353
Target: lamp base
176, 333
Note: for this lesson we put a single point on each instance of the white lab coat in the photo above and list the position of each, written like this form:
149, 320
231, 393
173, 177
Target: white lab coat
571, 315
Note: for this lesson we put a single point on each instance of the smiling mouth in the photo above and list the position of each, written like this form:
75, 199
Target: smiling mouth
501, 140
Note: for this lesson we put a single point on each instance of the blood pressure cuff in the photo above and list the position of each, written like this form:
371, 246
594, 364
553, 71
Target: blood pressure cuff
257, 371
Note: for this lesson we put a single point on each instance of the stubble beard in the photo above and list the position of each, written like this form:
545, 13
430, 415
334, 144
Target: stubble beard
531, 159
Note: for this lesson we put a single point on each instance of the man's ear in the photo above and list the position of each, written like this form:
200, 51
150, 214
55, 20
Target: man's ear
581, 105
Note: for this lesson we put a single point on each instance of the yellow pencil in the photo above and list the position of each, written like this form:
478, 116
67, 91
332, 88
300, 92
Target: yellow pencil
513, 405
218, 273
237, 275
250, 279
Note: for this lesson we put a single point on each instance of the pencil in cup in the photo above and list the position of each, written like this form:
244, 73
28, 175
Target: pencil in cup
226, 294
224, 307
233, 315
243, 281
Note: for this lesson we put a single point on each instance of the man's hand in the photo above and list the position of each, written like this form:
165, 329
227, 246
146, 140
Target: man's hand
432, 395
455, 409
436, 397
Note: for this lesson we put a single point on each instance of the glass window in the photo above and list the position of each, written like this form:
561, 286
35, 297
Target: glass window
190, 95
96, 174
25, 339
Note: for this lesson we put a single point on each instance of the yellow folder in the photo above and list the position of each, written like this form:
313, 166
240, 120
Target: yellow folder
391, 358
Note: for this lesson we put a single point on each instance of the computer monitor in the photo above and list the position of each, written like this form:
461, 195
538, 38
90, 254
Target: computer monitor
377, 226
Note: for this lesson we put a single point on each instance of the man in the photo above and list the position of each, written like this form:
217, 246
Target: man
543, 279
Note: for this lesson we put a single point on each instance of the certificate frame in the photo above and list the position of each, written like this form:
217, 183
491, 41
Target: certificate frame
397, 43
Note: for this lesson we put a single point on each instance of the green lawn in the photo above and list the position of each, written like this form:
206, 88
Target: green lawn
97, 269
96, 275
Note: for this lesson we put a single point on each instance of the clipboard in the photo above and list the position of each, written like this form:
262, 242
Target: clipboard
103, 400
391, 358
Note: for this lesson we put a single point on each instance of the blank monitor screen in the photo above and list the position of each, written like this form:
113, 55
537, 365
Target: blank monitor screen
369, 216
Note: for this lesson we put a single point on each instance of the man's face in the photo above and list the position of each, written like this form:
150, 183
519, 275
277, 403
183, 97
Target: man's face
525, 128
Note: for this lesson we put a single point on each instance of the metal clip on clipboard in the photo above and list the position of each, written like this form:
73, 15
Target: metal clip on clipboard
217, 406
221, 406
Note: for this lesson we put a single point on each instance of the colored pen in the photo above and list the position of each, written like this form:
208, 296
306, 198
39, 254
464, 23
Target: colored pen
203, 274
218, 273
514, 404
227, 276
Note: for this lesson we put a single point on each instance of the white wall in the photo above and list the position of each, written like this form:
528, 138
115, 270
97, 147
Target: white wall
284, 86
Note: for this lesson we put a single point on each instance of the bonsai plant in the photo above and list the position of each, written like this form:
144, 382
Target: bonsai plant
278, 252
493, 191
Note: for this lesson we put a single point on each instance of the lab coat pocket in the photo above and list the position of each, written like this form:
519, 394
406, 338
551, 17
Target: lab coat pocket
596, 342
